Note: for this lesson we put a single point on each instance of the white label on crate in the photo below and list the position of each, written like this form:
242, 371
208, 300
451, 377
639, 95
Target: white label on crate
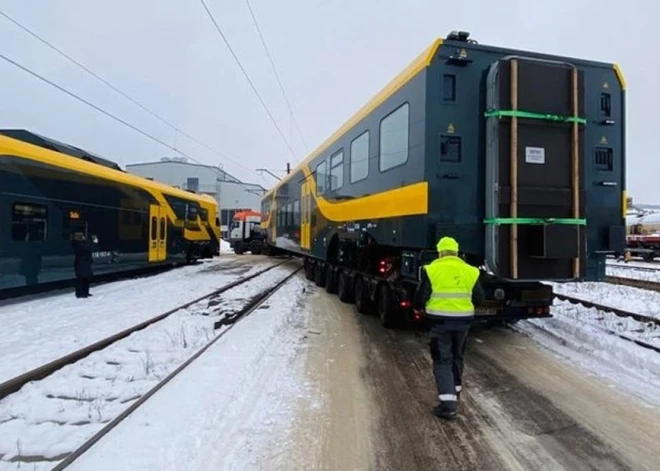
535, 155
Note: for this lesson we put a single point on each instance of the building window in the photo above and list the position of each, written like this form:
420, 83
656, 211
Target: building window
394, 138
192, 183
337, 170
321, 176
29, 222
360, 157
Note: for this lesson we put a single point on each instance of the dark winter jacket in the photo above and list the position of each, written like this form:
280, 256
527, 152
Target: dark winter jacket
82, 250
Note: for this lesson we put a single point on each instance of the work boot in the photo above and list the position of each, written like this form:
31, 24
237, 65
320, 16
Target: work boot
444, 412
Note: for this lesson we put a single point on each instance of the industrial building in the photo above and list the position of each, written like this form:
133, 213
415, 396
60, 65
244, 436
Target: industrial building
232, 194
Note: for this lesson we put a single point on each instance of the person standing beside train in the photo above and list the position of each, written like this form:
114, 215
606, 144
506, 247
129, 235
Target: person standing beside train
447, 292
82, 264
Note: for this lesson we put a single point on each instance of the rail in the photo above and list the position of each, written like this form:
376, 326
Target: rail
248, 309
633, 282
619, 313
15, 384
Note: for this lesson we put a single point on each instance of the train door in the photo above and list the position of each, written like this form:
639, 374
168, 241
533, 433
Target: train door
162, 237
157, 234
305, 229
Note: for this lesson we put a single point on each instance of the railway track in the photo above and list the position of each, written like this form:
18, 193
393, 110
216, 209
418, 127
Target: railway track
651, 322
633, 282
634, 267
248, 298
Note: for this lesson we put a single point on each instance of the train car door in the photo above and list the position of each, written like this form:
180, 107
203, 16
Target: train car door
162, 237
154, 214
305, 229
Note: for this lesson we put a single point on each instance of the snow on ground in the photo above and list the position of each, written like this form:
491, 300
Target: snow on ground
53, 417
574, 334
634, 273
232, 409
639, 301
38, 330
225, 247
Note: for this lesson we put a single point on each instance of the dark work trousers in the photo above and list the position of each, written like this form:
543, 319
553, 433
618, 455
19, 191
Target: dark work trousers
448, 353
82, 287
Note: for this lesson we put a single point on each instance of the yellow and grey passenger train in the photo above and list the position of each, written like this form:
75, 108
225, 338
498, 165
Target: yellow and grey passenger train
50, 190
518, 155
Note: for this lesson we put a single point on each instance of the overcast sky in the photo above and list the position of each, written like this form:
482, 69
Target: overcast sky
332, 57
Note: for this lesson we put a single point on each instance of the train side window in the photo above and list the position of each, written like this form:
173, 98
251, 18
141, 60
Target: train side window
337, 170
29, 222
321, 177
296, 213
360, 157
204, 214
154, 227
394, 138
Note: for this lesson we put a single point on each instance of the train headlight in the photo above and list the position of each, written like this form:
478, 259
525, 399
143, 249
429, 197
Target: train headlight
500, 294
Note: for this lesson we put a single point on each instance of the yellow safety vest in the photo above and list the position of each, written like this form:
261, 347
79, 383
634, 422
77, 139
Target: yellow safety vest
452, 281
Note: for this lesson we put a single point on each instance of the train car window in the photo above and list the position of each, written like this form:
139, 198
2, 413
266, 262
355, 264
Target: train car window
29, 222
192, 212
337, 170
394, 138
296, 213
204, 214
154, 228
321, 176
162, 228
360, 157
289, 215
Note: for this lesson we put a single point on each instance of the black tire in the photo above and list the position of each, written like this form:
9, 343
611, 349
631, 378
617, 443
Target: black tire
238, 248
362, 301
330, 280
343, 288
319, 275
255, 248
386, 308
309, 270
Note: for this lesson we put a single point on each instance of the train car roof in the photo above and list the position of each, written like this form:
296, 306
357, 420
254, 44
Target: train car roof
57, 146
421, 62
34, 147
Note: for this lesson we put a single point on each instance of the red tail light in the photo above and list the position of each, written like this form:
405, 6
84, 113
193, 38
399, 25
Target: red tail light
404, 304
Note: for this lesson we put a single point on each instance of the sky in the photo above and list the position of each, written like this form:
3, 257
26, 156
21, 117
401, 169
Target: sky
332, 57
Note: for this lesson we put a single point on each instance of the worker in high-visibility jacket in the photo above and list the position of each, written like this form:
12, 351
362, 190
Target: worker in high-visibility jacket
447, 292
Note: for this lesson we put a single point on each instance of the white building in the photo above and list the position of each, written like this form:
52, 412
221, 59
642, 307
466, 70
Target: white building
231, 194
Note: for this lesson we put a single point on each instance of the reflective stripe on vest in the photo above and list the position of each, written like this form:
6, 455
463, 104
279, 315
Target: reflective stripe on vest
452, 281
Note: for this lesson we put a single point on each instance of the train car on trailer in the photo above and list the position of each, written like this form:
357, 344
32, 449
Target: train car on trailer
518, 155
50, 190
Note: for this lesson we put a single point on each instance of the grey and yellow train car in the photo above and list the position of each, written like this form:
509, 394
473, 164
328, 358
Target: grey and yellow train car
518, 155
50, 190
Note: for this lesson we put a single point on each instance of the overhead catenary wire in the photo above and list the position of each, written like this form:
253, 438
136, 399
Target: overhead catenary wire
247, 77
123, 94
277, 76
92, 105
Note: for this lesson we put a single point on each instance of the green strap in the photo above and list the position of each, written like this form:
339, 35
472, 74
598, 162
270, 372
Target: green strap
527, 114
570, 221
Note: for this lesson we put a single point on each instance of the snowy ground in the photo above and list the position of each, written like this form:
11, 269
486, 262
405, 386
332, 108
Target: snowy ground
231, 409
41, 329
630, 299
50, 418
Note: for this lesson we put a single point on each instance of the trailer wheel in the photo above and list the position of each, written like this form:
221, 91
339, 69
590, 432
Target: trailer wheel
362, 301
330, 280
386, 308
319, 275
255, 248
309, 270
343, 288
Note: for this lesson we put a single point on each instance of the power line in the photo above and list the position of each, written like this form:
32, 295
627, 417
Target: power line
92, 105
254, 89
117, 90
277, 76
